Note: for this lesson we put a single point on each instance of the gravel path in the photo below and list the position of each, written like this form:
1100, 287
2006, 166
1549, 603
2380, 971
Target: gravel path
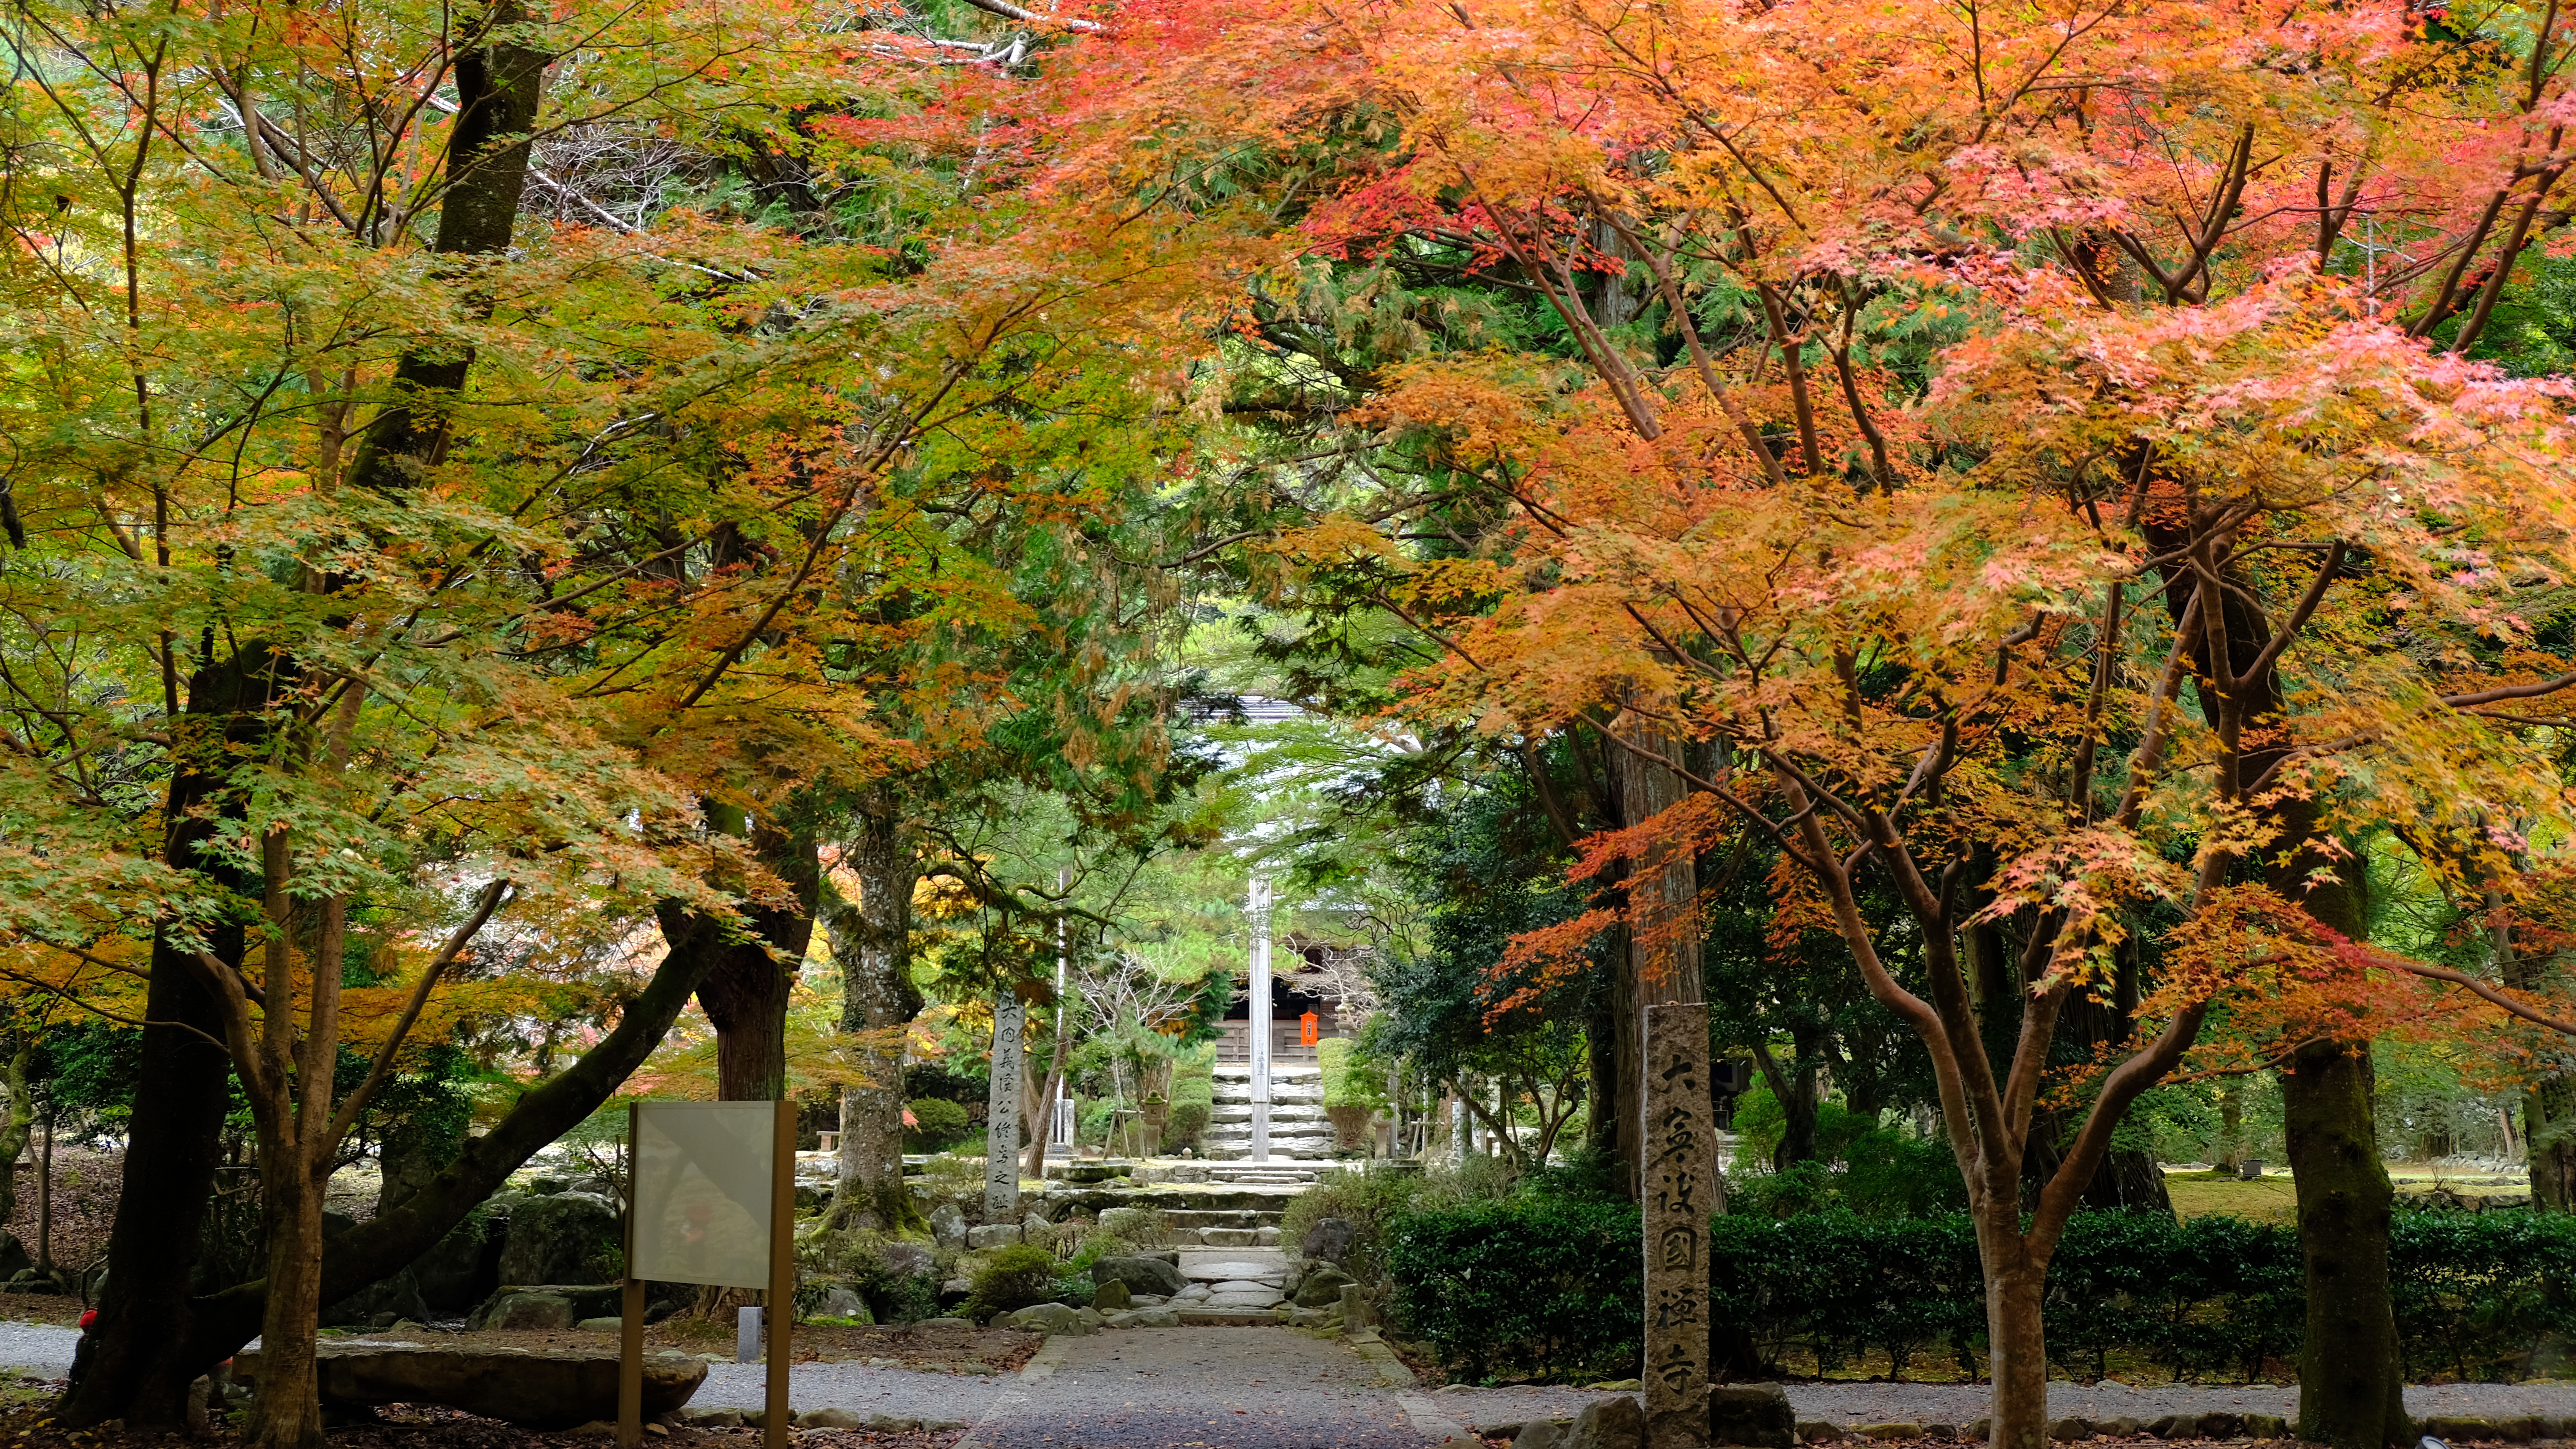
904, 1393
1222, 1388
37, 1348
1854, 1403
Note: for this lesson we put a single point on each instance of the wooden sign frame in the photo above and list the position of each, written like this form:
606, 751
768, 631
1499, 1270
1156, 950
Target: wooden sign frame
779, 1309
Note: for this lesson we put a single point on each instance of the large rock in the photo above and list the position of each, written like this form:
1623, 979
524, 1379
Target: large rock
570, 1237
992, 1235
1614, 1422
398, 1295
1753, 1414
13, 1256
1321, 1286
538, 1306
1329, 1241
1140, 1274
465, 1266
1046, 1318
539, 1389
948, 1226
907, 1260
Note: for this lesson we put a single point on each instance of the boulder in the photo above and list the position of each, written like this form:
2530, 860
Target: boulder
841, 1301
830, 1419
2273, 1426
536, 1305
465, 1266
1112, 1296
13, 1257
2175, 1426
2451, 1428
534, 1388
711, 1418
601, 1325
1612, 1423
1140, 1274
2119, 1426
994, 1235
398, 1295
1889, 1433
1329, 1241
2222, 1425
1321, 1286
1817, 1431
1036, 1229
948, 1226
1542, 1434
907, 1260
1146, 1318
1228, 1237
1125, 1222
1046, 1318
1752, 1414
570, 1237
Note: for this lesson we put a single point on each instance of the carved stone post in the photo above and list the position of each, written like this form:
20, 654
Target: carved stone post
1680, 1140
1677, 1169
1002, 1114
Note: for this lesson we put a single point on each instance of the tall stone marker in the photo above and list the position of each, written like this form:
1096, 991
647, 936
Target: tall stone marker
1680, 1141
1257, 1029
1002, 1114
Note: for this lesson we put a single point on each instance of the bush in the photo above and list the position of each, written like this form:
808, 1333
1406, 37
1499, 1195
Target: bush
1014, 1277
937, 1123
1186, 1125
1551, 1286
1546, 1286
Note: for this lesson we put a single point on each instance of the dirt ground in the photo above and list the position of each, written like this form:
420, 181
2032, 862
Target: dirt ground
935, 1350
404, 1426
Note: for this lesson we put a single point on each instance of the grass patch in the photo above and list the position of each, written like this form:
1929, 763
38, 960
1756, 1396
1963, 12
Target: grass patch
2268, 1199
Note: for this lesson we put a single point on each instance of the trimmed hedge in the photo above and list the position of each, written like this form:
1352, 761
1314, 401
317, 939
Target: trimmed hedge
1551, 1288
1546, 1286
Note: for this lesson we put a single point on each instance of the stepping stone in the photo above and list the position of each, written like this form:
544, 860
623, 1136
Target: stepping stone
1245, 1285
1224, 1270
1266, 1298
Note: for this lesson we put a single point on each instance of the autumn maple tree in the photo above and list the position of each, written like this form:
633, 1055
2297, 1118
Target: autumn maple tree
2193, 541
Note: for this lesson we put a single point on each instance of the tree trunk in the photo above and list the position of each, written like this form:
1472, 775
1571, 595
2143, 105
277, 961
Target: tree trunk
128, 1365
745, 995
2351, 1379
870, 943
2017, 1338
20, 1122
2231, 1124
1601, 1058
290, 1404
2549, 1134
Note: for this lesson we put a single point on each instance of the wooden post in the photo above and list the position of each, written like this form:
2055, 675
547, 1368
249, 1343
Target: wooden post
782, 1275
630, 1326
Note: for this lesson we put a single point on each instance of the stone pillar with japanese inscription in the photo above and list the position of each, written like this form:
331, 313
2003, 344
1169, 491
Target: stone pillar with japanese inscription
1002, 1114
1680, 1191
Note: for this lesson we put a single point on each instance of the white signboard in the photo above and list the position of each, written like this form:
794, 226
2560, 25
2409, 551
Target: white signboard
702, 1181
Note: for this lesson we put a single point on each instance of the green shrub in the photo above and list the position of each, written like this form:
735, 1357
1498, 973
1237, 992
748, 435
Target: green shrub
1186, 1125
1014, 1277
937, 1123
1493, 1285
1548, 1287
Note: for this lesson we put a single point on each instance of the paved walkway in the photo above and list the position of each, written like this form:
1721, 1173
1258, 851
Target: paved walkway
1203, 1388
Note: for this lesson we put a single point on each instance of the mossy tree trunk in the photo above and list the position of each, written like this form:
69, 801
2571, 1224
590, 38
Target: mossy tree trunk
869, 943
2350, 1374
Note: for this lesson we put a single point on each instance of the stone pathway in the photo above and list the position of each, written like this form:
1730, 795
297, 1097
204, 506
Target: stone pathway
1232, 1278
1184, 1388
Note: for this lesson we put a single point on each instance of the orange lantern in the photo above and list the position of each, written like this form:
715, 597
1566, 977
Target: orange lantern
1307, 1029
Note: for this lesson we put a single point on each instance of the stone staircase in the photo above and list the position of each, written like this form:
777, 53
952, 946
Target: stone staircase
1299, 1131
